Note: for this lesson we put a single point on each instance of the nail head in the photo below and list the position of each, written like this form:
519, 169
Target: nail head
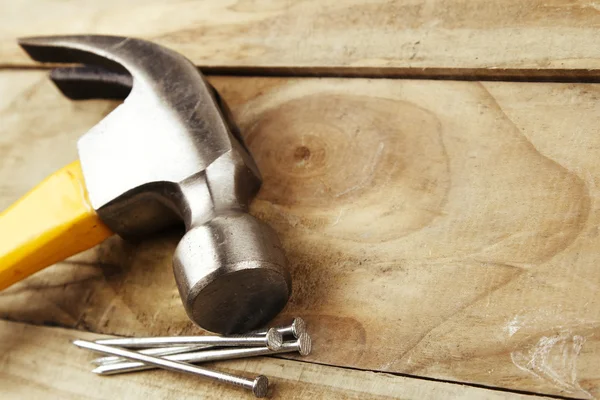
298, 327
305, 343
274, 339
260, 386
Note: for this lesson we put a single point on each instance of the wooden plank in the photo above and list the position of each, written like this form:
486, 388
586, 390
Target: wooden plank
439, 229
510, 38
38, 362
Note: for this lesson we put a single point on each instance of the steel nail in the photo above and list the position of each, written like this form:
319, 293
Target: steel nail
259, 385
272, 339
297, 327
303, 345
155, 351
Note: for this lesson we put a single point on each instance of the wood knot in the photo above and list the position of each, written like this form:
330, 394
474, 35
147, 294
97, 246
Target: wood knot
302, 153
345, 162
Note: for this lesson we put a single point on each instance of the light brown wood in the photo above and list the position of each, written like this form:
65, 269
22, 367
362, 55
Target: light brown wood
439, 229
416, 37
38, 362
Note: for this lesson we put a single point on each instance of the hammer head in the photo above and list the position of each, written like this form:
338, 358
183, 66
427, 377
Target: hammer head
168, 154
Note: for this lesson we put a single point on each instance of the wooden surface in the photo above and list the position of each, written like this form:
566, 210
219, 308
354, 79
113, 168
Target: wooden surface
446, 230
415, 37
38, 362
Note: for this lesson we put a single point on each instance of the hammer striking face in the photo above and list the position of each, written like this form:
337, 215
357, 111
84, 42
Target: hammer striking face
166, 154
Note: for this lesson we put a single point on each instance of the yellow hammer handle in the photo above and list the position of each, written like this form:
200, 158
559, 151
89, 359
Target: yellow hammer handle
50, 223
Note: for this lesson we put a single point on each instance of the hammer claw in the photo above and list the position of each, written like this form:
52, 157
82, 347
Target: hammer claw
80, 49
91, 82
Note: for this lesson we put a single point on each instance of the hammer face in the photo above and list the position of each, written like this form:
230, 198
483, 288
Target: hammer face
231, 273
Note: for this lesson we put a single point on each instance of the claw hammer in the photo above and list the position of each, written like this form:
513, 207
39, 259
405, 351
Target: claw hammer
167, 154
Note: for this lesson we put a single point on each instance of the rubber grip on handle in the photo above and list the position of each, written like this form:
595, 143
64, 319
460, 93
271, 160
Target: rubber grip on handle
50, 223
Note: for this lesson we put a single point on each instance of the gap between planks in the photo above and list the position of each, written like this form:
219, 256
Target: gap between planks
450, 382
456, 74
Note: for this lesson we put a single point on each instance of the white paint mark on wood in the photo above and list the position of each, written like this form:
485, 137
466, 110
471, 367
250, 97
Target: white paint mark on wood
553, 359
514, 325
337, 220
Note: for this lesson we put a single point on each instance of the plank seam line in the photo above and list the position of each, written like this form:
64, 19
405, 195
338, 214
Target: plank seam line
426, 378
457, 74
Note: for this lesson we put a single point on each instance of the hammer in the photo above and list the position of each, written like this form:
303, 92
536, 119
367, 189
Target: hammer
169, 153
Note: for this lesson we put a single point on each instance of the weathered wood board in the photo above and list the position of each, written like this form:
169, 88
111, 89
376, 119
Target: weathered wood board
381, 37
38, 362
440, 229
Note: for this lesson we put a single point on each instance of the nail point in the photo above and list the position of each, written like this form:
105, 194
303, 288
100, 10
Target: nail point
99, 370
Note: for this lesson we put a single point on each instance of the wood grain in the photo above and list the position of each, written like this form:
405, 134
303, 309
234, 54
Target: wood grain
38, 362
412, 38
439, 229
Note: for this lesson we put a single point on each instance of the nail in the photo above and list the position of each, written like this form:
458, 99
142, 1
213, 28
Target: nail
297, 327
258, 386
272, 339
303, 345
155, 351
